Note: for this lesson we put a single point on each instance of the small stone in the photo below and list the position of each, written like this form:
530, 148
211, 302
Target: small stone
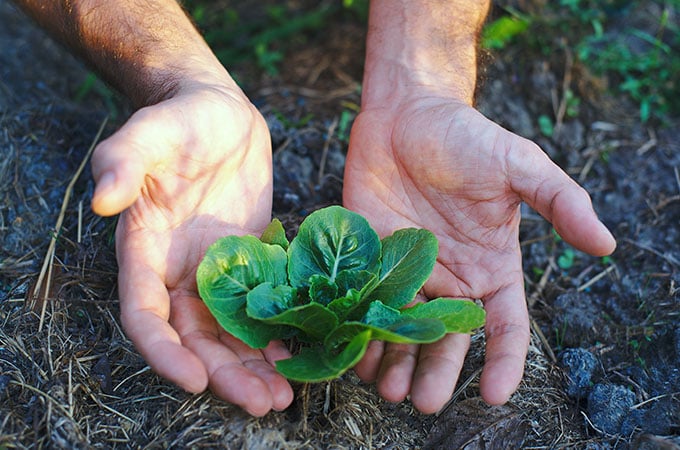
579, 365
608, 406
576, 316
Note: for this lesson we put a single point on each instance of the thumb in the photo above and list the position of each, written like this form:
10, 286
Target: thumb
121, 163
560, 200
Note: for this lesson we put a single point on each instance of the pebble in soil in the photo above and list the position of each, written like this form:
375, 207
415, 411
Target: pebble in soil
608, 406
580, 366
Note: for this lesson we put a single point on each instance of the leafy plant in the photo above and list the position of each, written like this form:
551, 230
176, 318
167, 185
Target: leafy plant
545, 124
335, 287
358, 7
633, 46
566, 260
498, 33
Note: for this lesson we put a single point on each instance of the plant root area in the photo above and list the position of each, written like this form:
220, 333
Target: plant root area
603, 369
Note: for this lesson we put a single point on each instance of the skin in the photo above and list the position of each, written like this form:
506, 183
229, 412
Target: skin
419, 155
175, 172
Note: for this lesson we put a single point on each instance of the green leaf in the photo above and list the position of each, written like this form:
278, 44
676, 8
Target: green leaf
275, 234
353, 286
329, 241
645, 110
388, 324
457, 315
354, 279
404, 331
265, 300
566, 259
546, 126
343, 306
275, 305
381, 315
314, 364
408, 257
498, 33
231, 268
322, 290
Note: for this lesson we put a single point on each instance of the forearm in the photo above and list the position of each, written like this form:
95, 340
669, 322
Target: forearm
422, 44
146, 49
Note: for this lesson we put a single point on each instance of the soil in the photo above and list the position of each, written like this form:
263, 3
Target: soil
604, 364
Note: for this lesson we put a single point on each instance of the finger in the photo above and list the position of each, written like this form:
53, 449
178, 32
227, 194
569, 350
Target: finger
276, 351
367, 369
439, 365
558, 198
237, 373
229, 379
262, 364
283, 395
144, 315
396, 371
507, 341
121, 163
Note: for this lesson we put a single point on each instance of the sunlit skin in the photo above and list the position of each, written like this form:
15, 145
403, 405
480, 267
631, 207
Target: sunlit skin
194, 164
421, 156
440, 165
197, 185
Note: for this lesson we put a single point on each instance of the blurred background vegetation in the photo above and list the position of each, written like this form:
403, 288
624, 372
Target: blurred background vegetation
632, 46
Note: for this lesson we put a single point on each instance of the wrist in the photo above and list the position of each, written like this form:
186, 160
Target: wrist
147, 50
188, 75
154, 60
421, 49
393, 85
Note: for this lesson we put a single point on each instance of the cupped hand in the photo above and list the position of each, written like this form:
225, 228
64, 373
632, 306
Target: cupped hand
184, 172
438, 164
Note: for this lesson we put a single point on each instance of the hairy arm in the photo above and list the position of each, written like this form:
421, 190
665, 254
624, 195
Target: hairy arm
146, 49
430, 45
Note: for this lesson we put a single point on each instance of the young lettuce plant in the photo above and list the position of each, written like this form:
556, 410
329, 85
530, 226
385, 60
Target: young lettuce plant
335, 287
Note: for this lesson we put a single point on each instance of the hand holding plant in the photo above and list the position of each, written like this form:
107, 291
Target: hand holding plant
181, 166
421, 156
437, 163
336, 287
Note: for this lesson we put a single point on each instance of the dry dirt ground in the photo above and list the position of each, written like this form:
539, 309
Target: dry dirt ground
604, 365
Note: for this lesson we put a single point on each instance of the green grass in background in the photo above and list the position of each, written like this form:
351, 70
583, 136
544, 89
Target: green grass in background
264, 35
639, 58
635, 45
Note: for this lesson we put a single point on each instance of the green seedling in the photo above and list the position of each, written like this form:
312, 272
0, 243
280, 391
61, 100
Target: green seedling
566, 260
545, 124
497, 34
345, 124
335, 287
292, 124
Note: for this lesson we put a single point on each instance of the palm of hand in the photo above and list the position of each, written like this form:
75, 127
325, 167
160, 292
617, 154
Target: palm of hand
196, 167
445, 176
444, 167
